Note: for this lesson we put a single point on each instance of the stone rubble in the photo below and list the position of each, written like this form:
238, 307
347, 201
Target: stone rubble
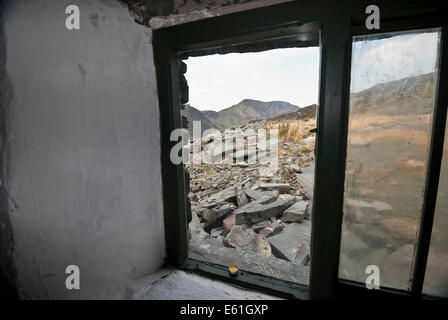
258, 209
244, 204
255, 212
290, 242
295, 213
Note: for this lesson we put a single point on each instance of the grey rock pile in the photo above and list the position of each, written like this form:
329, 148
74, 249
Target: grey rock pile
254, 207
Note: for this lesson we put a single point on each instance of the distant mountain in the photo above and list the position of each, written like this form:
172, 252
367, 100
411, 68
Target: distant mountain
303, 113
416, 93
411, 95
248, 110
194, 114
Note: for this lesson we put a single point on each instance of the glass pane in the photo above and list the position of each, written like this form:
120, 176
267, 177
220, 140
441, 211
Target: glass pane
436, 276
391, 105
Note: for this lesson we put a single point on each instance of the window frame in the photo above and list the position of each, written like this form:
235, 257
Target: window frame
352, 289
339, 23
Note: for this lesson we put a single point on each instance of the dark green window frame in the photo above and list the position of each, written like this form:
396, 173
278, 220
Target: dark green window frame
339, 21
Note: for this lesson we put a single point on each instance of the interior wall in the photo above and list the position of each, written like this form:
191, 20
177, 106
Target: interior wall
163, 13
83, 177
80, 142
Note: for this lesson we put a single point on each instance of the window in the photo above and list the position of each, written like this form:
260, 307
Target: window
252, 159
376, 143
392, 97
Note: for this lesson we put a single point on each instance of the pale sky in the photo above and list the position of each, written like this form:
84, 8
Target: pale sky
404, 55
217, 82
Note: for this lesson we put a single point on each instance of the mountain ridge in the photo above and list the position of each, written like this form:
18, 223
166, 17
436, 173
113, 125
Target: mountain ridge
242, 112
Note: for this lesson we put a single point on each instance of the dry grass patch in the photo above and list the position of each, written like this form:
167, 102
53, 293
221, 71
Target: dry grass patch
291, 130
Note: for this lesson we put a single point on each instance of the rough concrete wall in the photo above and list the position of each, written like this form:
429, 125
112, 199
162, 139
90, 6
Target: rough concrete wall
143, 10
83, 134
162, 13
187, 6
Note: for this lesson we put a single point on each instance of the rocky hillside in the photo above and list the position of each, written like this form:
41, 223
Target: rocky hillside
388, 98
241, 113
252, 213
194, 114
308, 112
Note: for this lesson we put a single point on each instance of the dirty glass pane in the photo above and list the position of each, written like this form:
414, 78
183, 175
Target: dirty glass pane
391, 105
436, 276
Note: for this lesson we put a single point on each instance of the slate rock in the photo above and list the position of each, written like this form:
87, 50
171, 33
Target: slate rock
287, 197
261, 225
287, 243
221, 213
227, 194
306, 179
241, 197
275, 228
196, 230
243, 238
254, 194
302, 254
295, 168
255, 212
281, 187
228, 223
296, 212
214, 233
206, 185
210, 215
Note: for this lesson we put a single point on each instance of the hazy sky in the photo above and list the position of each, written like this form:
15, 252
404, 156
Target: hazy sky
405, 55
220, 81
